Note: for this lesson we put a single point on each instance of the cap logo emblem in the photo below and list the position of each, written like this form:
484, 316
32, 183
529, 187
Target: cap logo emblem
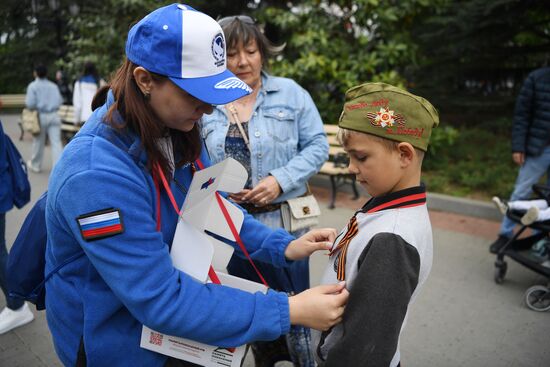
233, 83
385, 118
218, 49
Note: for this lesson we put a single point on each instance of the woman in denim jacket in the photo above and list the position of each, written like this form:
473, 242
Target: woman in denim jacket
281, 142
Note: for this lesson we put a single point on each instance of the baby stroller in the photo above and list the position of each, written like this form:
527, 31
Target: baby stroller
537, 297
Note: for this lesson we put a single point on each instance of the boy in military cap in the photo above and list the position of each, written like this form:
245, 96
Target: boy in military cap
385, 252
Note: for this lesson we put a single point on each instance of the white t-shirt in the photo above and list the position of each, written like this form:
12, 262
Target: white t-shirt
83, 94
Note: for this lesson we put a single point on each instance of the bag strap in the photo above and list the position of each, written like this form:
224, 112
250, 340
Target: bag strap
211, 273
233, 110
56, 269
308, 190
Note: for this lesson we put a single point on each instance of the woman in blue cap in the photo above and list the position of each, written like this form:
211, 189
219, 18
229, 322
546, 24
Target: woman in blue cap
106, 200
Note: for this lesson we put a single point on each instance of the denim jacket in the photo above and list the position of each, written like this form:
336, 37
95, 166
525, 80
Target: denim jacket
43, 95
286, 134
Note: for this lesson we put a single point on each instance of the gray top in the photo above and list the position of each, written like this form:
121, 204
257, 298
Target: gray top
43, 95
387, 262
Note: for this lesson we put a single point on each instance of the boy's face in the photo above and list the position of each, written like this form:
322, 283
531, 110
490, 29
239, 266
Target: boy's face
377, 168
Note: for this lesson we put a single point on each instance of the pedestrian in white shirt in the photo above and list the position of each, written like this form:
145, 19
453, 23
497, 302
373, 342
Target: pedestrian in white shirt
84, 91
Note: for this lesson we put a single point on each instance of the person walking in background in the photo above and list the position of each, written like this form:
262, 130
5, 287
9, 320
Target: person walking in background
43, 96
64, 87
84, 91
530, 143
17, 312
277, 134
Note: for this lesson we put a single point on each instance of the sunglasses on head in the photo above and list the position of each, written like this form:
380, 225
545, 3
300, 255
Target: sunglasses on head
241, 18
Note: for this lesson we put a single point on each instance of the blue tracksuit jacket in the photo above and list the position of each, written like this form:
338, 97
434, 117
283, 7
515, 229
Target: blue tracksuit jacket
6, 195
127, 280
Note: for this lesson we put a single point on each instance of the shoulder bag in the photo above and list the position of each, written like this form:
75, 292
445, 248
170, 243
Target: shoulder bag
301, 212
30, 121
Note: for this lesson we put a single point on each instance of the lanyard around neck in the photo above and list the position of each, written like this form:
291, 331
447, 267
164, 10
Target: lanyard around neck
158, 173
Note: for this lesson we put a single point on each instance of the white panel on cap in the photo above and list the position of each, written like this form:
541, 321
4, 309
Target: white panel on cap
182, 7
197, 58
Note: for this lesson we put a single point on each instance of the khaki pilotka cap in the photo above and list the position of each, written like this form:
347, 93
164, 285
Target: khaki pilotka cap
389, 112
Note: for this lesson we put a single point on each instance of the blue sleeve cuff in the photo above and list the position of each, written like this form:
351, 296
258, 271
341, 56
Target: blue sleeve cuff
284, 310
285, 239
263, 243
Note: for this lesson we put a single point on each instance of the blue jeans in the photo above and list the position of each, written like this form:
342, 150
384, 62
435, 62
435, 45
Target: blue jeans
529, 174
12, 303
294, 279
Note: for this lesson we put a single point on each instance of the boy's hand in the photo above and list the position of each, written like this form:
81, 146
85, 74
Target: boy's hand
314, 240
319, 308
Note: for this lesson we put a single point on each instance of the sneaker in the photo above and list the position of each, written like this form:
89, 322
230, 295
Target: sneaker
501, 206
10, 319
501, 241
530, 216
32, 168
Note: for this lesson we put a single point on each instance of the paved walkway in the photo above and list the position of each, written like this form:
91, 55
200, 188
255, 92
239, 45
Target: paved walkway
462, 318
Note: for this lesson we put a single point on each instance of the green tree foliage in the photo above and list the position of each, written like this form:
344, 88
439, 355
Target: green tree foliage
475, 54
66, 33
31, 32
98, 33
333, 45
99, 36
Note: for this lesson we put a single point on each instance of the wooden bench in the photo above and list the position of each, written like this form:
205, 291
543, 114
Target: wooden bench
68, 126
337, 166
12, 100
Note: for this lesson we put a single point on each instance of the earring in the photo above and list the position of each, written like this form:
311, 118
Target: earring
147, 95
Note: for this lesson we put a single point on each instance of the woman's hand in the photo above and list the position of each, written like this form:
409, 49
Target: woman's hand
264, 192
238, 196
314, 240
319, 308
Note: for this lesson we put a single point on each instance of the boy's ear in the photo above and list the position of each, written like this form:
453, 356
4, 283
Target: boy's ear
406, 153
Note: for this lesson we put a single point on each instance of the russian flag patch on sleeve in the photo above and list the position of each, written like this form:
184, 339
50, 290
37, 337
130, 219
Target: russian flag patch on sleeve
100, 224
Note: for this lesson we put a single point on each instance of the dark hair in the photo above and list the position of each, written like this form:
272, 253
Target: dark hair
90, 69
41, 70
100, 97
131, 109
243, 29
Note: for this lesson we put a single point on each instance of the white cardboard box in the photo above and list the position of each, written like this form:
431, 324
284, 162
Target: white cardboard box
193, 252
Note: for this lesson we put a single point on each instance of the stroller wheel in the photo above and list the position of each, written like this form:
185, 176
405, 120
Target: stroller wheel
537, 298
500, 271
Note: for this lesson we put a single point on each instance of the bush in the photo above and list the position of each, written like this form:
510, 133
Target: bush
473, 162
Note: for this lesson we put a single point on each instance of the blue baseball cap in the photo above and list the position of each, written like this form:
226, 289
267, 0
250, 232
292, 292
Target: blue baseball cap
188, 47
